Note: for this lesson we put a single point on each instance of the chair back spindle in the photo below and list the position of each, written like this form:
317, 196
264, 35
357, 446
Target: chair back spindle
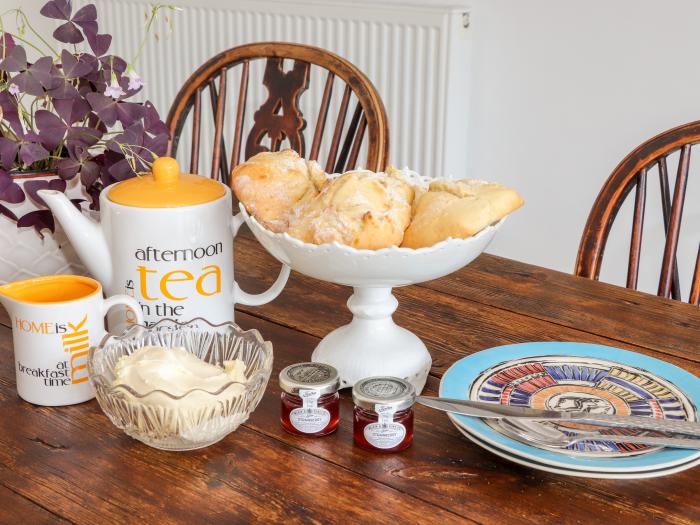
674, 223
218, 104
322, 116
196, 130
339, 124
240, 114
695, 289
666, 211
637, 225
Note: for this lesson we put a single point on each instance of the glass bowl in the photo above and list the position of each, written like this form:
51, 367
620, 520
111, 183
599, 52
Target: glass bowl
197, 418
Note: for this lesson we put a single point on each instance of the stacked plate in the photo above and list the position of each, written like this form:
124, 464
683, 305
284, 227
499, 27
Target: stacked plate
574, 377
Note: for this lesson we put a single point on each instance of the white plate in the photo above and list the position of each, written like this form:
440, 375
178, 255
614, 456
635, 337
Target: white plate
578, 473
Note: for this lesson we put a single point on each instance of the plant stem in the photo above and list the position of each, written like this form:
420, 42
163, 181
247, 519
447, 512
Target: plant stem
31, 28
8, 132
151, 19
25, 114
17, 37
129, 153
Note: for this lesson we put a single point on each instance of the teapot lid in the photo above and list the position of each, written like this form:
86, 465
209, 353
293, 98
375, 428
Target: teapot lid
166, 187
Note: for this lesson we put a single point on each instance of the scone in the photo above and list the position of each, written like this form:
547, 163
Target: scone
417, 189
269, 184
361, 209
458, 209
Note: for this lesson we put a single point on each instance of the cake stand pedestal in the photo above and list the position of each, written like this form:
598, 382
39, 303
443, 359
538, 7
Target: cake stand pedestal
372, 344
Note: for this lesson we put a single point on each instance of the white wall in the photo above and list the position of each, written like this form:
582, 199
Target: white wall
561, 92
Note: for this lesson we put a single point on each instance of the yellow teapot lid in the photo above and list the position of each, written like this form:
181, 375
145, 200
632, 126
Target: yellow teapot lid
166, 187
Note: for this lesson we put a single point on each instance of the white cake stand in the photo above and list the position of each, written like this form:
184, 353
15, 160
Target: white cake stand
372, 344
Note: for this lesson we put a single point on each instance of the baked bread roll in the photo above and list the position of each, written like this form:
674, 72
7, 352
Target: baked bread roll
360, 209
457, 209
269, 184
418, 190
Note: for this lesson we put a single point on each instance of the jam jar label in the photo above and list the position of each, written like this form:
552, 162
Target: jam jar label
309, 419
384, 433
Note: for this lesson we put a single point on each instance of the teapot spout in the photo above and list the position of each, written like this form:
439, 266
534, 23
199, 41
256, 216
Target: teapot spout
84, 234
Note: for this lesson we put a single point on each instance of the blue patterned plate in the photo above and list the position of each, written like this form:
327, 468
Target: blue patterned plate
576, 376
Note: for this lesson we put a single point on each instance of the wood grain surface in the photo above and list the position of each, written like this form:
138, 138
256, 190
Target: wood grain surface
69, 464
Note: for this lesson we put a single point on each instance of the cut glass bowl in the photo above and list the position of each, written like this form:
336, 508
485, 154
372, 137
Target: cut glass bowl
162, 420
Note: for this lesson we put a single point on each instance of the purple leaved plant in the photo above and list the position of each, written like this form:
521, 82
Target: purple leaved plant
69, 113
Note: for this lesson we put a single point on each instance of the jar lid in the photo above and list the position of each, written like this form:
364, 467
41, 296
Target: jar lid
392, 391
303, 376
166, 187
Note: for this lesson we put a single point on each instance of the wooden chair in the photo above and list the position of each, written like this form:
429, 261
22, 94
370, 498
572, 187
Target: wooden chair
632, 173
279, 117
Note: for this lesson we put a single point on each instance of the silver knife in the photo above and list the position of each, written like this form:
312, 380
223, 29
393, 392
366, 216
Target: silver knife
525, 428
497, 411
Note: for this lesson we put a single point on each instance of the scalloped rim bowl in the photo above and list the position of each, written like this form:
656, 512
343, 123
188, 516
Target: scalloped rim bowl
392, 266
163, 424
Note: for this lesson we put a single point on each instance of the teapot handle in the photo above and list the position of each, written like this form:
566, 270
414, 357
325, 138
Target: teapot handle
250, 299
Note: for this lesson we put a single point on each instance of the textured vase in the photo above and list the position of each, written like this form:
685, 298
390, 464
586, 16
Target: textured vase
24, 253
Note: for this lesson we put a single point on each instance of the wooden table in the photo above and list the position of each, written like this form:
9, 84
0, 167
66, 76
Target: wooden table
70, 465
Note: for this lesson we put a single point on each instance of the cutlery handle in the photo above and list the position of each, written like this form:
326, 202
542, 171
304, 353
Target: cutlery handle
643, 440
662, 425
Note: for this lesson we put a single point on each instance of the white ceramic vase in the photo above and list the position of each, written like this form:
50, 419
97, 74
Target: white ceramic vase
24, 253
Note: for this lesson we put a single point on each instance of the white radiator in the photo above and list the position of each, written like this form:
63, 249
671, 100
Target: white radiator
417, 57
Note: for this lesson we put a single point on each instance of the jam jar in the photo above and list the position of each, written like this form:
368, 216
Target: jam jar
383, 415
310, 400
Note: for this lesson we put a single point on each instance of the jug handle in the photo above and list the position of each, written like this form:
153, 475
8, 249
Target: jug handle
125, 300
249, 299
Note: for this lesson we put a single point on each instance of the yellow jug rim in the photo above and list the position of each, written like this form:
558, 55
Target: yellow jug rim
12, 290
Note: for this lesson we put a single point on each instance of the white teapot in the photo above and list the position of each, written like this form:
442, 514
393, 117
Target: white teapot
165, 239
